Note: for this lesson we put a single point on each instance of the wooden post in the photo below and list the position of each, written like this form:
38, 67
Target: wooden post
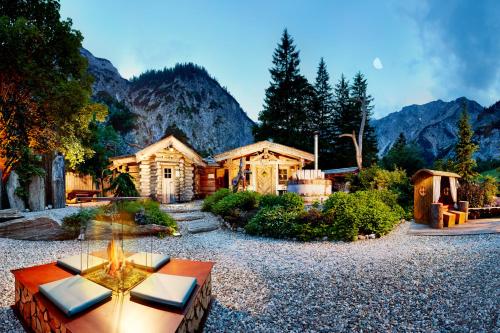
58, 182
463, 206
437, 215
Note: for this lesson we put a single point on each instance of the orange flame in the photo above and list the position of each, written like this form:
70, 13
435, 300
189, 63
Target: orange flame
115, 257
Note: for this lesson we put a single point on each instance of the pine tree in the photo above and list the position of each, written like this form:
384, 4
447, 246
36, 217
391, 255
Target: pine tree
288, 100
400, 142
403, 155
343, 149
321, 118
465, 148
359, 91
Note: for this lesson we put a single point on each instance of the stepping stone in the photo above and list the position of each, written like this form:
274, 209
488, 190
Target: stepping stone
202, 226
180, 217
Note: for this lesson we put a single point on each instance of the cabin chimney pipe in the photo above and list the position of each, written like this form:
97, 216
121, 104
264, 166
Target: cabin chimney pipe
316, 151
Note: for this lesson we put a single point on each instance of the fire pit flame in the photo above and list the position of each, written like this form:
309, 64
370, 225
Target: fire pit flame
116, 259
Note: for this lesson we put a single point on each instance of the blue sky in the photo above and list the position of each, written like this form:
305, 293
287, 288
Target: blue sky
426, 50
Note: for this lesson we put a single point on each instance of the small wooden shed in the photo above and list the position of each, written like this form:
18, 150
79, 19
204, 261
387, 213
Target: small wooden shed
431, 186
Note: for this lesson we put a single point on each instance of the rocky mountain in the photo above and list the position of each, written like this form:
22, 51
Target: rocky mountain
184, 100
433, 126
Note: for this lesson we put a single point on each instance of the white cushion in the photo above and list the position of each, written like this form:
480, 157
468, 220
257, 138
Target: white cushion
74, 294
81, 263
172, 290
148, 260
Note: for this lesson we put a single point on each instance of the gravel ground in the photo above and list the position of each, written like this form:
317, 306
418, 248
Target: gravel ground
399, 283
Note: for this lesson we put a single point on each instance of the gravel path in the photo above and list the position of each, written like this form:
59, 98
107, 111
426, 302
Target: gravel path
399, 283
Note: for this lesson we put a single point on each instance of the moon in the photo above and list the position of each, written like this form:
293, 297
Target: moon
377, 63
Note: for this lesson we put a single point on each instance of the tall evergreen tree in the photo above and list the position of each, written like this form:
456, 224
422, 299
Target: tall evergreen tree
343, 149
465, 148
403, 155
321, 117
288, 100
359, 91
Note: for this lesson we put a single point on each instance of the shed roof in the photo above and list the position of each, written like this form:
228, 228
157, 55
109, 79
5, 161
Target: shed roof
434, 173
258, 146
340, 171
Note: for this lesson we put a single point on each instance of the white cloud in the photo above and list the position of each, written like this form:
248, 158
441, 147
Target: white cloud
377, 63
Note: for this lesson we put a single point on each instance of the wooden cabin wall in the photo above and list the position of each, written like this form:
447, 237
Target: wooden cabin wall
208, 181
422, 204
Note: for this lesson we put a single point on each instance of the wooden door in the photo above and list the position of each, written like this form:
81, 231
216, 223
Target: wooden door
265, 180
168, 185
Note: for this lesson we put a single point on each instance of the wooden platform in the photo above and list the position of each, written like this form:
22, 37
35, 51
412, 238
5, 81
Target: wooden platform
472, 227
120, 314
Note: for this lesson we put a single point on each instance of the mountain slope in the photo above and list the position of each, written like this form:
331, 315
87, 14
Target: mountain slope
184, 99
434, 127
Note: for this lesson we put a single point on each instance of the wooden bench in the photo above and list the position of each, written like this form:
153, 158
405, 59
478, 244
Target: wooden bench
460, 217
75, 194
448, 219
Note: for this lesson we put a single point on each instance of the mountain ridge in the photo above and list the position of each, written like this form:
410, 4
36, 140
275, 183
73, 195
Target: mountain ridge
184, 99
433, 126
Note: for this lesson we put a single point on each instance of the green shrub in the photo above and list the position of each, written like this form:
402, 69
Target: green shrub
212, 199
373, 216
72, 224
362, 212
232, 204
273, 221
123, 185
341, 208
289, 200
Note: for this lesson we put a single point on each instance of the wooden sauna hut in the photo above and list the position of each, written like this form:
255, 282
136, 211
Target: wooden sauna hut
431, 187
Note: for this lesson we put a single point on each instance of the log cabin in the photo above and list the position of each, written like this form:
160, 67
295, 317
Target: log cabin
267, 166
164, 170
171, 171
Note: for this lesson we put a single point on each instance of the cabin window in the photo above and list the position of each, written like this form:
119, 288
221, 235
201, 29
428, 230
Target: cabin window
167, 173
283, 176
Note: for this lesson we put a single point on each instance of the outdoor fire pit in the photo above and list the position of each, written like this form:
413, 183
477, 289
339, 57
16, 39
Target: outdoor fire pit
114, 288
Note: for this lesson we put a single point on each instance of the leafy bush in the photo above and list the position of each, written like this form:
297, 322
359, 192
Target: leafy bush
289, 200
72, 224
373, 215
479, 194
341, 207
363, 211
211, 200
232, 204
273, 221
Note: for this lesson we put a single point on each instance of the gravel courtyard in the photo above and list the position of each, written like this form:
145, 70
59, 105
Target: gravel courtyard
398, 283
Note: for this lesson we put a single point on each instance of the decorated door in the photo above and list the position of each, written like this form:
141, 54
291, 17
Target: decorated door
265, 180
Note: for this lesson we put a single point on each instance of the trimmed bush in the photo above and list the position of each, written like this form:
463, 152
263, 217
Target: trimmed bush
373, 216
212, 199
289, 200
232, 204
273, 221
72, 224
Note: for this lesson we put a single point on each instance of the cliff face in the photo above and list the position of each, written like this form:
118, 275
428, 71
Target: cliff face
433, 126
184, 100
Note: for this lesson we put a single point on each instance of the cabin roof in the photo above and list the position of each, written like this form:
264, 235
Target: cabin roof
169, 141
258, 146
433, 173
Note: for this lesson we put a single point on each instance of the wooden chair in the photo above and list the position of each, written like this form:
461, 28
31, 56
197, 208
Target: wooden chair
448, 219
460, 217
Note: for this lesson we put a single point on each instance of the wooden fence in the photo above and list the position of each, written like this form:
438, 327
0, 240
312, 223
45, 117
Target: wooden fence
76, 181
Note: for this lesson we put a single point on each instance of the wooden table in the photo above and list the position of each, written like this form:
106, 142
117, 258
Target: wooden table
119, 314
